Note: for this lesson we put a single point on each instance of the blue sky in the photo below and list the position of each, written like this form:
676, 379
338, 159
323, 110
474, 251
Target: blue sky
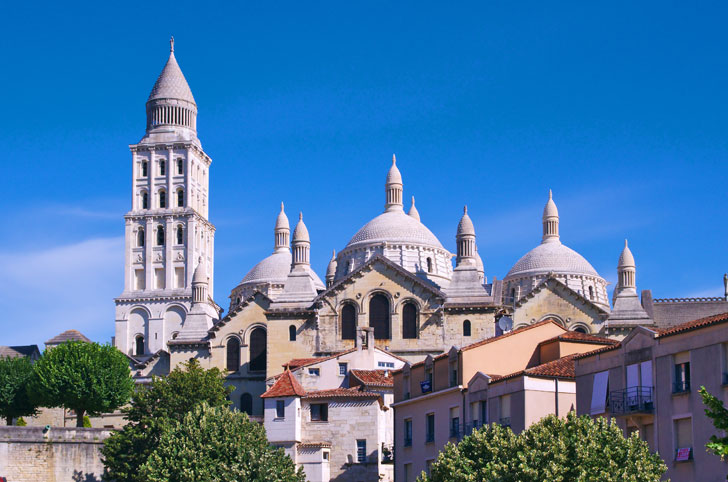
619, 107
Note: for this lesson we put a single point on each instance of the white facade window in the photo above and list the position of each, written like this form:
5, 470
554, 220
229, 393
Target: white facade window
382, 364
683, 435
280, 409
314, 372
599, 393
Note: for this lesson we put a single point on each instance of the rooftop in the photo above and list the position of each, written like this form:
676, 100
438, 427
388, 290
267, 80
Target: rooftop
285, 386
68, 335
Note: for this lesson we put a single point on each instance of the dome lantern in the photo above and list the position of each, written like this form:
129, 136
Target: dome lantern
465, 239
393, 188
282, 231
550, 221
301, 244
626, 270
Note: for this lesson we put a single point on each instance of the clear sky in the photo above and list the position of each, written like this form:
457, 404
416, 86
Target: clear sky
619, 107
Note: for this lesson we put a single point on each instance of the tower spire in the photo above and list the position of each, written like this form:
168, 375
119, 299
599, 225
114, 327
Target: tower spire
393, 188
550, 221
171, 44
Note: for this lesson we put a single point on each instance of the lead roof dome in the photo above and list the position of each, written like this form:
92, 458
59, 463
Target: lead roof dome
551, 257
394, 227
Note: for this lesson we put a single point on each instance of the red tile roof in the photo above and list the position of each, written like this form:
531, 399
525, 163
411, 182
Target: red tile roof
510, 333
694, 325
299, 362
285, 386
374, 378
562, 368
603, 349
577, 337
341, 393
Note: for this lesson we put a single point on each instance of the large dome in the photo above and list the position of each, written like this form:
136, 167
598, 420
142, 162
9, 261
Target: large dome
551, 257
394, 227
273, 269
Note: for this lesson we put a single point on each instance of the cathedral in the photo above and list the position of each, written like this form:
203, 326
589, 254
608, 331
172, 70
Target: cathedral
394, 278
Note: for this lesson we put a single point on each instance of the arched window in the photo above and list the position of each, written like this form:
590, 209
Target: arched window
246, 403
144, 169
580, 329
140, 237
513, 295
409, 321
292, 333
139, 345
180, 166
429, 265
233, 354
258, 340
180, 198
180, 234
162, 167
160, 235
591, 292
162, 199
466, 328
174, 335
348, 322
379, 317
145, 200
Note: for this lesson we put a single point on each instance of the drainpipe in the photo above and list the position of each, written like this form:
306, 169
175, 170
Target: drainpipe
556, 385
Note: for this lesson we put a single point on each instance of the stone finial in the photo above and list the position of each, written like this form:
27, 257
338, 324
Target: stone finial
413, 212
171, 44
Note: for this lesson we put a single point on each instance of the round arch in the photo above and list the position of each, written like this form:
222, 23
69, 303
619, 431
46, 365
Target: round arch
580, 327
556, 318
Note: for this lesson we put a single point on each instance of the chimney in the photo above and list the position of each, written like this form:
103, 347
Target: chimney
368, 336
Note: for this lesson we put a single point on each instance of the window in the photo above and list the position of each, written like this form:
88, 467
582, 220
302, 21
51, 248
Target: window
428, 466
513, 294
180, 198
682, 377
483, 412
384, 364
430, 428
314, 372
343, 369
591, 292
246, 403
319, 412
144, 169
280, 409
139, 280
466, 328
162, 199
159, 278
160, 235
180, 234
326, 454
683, 428
453, 374
361, 451
505, 410
292, 333
599, 393
580, 329
140, 237
454, 422
180, 166
139, 345
348, 322
408, 432
145, 200
408, 472
429, 265
162, 167
179, 277
379, 316
409, 321
233, 354
258, 349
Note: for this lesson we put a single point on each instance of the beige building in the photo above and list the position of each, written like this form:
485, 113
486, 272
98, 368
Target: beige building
514, 379
649, 382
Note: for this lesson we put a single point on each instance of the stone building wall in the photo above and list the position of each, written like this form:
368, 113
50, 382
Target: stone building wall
32, 454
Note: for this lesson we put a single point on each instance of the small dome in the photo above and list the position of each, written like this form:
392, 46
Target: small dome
394, 176
413, 212
273, 269
550, 210
394, 227
626, 260
331, 270
301, 232
282, 220
200, 274
551, 257
465, 226
171, 83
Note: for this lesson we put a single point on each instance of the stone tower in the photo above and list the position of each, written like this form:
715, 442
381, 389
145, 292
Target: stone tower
167, 231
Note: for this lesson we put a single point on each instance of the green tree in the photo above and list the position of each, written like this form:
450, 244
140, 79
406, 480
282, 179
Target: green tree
717, 412
87, 378
573, 449
217, 444
15, 374
164, 401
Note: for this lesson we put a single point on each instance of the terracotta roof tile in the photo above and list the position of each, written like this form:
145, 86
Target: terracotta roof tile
560, 368
341, 393
374, 378
577, 337
603, 349
285, 386
694, 325
299, 362
510, 333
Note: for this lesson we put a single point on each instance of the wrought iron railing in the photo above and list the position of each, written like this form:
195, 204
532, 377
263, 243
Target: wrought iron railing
631, 400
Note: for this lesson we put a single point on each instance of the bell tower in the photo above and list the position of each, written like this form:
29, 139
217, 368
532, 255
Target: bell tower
167, 231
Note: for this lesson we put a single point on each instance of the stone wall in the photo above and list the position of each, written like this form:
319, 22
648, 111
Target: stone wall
32, 454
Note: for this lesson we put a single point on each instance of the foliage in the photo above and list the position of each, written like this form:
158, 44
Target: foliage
15, 373
164, 401
21, 422
719, 414
575, 449
217, 444
86, 422
84, 377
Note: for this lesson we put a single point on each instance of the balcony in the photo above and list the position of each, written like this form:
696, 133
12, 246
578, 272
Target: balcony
681, 387
632, 400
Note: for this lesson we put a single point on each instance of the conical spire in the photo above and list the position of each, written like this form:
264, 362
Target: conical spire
465, 226
626, 259
301, 244
626, 271
413, 210
465, 239
331, 270
393, 188
171, 83
550, 221
199, 282
281, 231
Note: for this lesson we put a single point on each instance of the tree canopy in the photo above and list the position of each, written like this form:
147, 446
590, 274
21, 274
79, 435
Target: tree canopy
87, 378
575, 449
717, 412
217, 444
163, 401
15, 374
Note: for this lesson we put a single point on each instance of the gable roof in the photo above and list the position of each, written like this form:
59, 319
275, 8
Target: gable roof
378, 258
240, 306
577, 337
562, 368
18, 351
511, 333
694, 325
299, 362
374, 378
552, 282
285, 386
68, 335
603, 349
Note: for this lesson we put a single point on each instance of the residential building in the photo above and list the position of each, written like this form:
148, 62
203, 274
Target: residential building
514, 379
649, 383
